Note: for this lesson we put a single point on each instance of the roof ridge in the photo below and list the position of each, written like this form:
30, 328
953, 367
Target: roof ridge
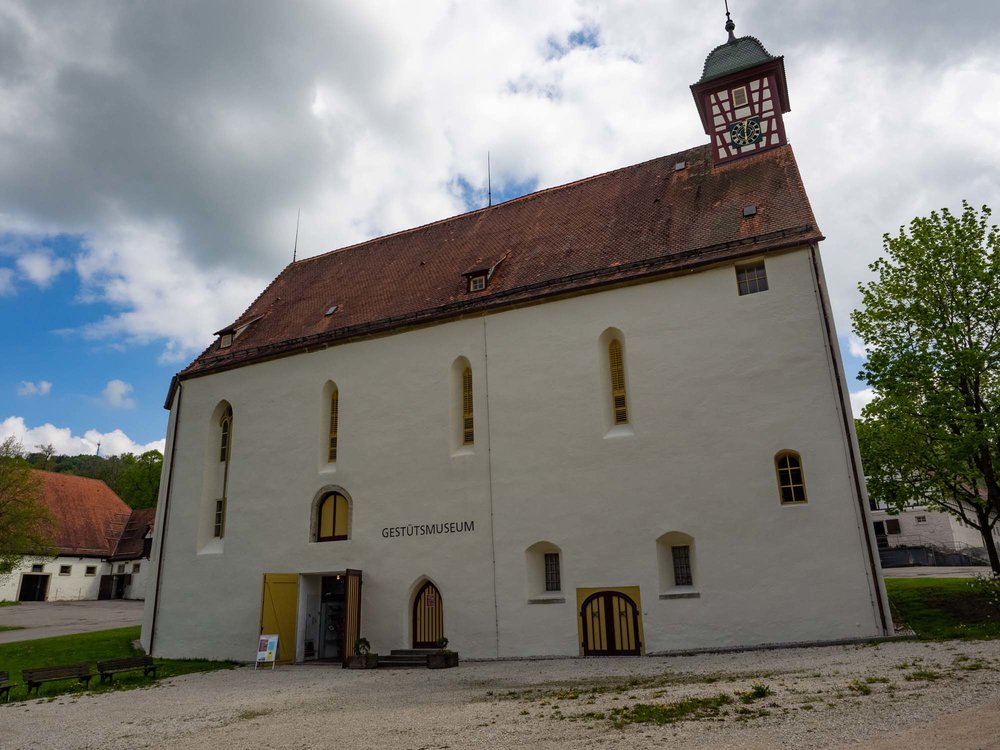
520, 198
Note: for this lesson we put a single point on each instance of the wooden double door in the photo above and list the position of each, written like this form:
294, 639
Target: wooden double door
610, 625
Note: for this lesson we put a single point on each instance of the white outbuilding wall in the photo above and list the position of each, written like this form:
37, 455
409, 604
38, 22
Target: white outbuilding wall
68, 577
717, 385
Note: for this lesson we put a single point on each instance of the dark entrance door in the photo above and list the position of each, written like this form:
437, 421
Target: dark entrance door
106, 587
33, 587
610, 625
428, 617
331, 618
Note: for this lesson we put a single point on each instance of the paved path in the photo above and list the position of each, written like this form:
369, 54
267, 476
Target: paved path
45, 619
930, 571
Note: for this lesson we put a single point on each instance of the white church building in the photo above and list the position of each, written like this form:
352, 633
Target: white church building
608, 417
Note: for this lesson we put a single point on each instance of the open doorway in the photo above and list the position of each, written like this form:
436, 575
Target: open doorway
33, 587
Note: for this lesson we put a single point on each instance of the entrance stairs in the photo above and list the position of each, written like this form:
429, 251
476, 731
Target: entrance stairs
404, 658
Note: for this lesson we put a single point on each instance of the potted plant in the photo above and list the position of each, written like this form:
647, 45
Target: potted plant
442, 658
363, 657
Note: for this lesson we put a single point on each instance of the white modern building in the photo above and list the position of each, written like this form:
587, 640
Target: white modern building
605, 418
102, 546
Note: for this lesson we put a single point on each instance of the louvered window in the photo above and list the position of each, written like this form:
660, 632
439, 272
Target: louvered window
219, 529
333, 518
468, 427
791, 480
334, 416
618, 400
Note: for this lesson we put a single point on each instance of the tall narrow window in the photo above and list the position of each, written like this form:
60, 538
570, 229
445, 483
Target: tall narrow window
225, 451
334, 410
227, 426
333, 518
682, 565
791, 480
553, 581
617, 363
468, 426
219, 525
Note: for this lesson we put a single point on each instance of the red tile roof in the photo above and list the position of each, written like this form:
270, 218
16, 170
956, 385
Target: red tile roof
132, 543
89, 517
639, 221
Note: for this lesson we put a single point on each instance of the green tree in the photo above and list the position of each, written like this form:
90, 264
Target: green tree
25, 523
139, 483
931, 324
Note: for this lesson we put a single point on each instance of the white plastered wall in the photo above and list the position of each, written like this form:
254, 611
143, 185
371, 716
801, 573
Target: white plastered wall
718, 384
76, 585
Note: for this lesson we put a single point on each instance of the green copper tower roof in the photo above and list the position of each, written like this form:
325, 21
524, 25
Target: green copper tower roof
733, 56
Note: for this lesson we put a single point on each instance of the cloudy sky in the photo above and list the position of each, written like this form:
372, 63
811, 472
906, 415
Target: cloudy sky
153, 155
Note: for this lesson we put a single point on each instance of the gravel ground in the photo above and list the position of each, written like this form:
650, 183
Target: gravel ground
952, 699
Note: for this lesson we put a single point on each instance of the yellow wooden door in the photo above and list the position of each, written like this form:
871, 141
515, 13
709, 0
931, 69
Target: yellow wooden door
279, 612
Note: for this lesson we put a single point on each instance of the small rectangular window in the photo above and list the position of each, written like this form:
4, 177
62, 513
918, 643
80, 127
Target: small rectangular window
921, 519
220, 518
740, 97
121, 567
682, 565
892, 526
879, 528
552, 577
37, 568
91, 570
751, 279
135, 568
65, 570
477, 283
226, 341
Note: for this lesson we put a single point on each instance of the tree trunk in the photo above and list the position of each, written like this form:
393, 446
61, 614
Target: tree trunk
983, 517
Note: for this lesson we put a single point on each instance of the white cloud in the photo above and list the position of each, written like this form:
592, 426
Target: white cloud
41, 267
861, 399
368, 116
6, 282
116, 395
856, 347
27, 388
66, 443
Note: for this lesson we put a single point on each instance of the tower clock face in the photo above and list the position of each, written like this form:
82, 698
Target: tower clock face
746, 132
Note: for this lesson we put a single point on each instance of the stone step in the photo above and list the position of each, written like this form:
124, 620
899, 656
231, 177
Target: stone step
402, 662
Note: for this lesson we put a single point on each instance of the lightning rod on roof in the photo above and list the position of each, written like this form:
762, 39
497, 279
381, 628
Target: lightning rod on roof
489, 181
98, 453
295, 247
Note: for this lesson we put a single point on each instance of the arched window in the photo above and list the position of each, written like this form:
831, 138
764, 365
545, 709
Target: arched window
468, 425
226, 424
616, 362
791, 478
544, 570
334, 417
675, 553
225, 450
333, 518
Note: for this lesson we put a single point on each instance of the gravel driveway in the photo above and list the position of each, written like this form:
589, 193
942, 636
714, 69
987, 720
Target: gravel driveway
893, 695
47, 619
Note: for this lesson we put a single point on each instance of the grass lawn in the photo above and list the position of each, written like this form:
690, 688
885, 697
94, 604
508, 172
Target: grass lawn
89, 647
8, 603
10, 627
940, 608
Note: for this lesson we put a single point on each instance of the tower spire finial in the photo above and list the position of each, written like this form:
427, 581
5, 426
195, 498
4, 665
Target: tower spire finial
730, 26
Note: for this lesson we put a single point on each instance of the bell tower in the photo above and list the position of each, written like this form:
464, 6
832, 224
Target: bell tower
741, 97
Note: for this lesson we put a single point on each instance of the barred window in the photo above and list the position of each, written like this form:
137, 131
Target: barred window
552, 578
333, 518
334, 420
682, 565
616, 362
791, 479
65, 570
219, 525
751, 279
468, 424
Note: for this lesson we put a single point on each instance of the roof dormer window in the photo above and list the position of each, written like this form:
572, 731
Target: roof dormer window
477, 283
226, 341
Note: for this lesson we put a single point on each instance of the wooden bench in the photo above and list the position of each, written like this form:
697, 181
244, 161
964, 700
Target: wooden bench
110, 667
5, 685
35, 677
